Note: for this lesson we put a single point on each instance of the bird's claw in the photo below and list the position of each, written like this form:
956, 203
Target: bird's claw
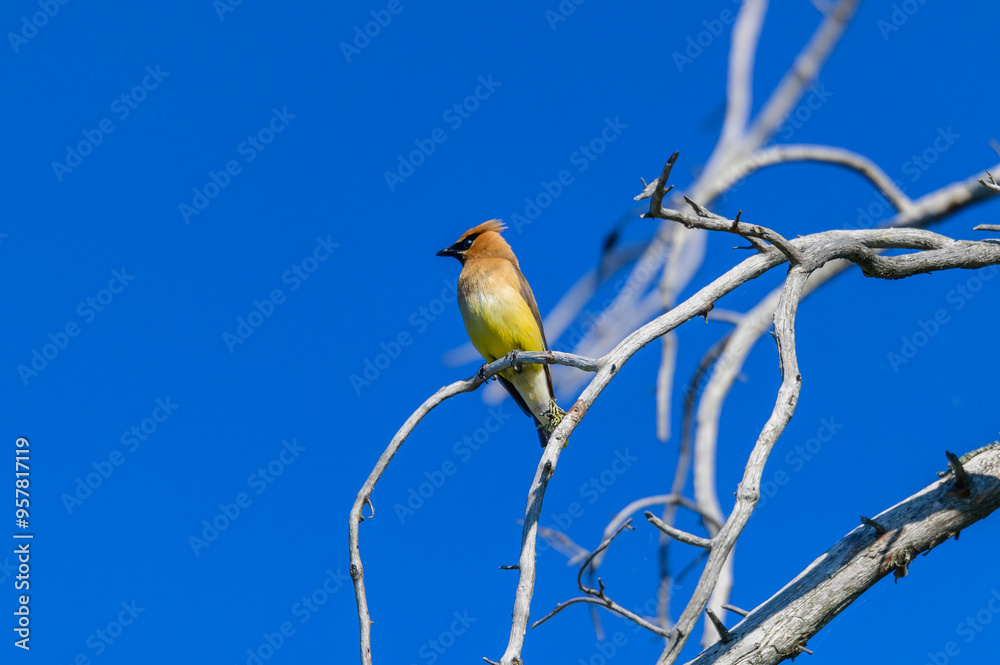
512, 357
482, 373
555, 415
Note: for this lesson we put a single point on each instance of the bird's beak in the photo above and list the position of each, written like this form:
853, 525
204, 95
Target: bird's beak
447, 251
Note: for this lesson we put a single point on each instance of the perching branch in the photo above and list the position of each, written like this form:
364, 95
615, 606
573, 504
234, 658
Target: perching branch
677, 249
817, 249
364, 495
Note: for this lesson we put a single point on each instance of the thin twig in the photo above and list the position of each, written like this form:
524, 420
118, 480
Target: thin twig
719, 626
607, 604
735, 610
962, 482
597, 596
879, 529
674, 532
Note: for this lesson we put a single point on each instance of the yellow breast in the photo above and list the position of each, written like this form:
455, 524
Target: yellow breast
496, 317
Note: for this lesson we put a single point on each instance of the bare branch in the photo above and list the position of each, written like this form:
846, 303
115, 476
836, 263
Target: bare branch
735, 610
563, 544
802, 73
712, 222
706, 187
640, 504
992, 184
748, 492
879, 529
855, 563
597, 596
607, 604
784, 154
600, 548
710, 511
739, 87
664, 385
719, 626
674, 532
962, 481
364, 495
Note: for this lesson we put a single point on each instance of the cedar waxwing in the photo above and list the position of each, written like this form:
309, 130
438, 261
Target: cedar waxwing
501, 316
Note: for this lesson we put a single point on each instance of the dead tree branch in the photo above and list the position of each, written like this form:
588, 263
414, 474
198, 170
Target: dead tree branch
780, 627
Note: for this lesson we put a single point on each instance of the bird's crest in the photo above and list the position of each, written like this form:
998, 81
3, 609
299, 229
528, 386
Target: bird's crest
494, 225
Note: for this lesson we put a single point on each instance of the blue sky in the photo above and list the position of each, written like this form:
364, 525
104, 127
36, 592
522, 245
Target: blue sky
201, 246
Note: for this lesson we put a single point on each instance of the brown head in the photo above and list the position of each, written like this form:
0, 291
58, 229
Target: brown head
481, 241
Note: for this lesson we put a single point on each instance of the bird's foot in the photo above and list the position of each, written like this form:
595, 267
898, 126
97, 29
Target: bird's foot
512, 357
482, 373
556, 416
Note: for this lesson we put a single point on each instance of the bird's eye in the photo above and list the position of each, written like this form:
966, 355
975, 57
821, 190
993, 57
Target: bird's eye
468, 243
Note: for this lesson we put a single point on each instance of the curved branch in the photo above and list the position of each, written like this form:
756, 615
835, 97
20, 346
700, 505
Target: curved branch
364, 495
748, 491
785, 154
677, 534
647, 502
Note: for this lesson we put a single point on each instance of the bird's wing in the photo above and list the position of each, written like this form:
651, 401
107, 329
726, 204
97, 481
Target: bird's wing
529, 298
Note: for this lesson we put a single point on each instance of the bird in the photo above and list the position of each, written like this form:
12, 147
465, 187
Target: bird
501, 316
